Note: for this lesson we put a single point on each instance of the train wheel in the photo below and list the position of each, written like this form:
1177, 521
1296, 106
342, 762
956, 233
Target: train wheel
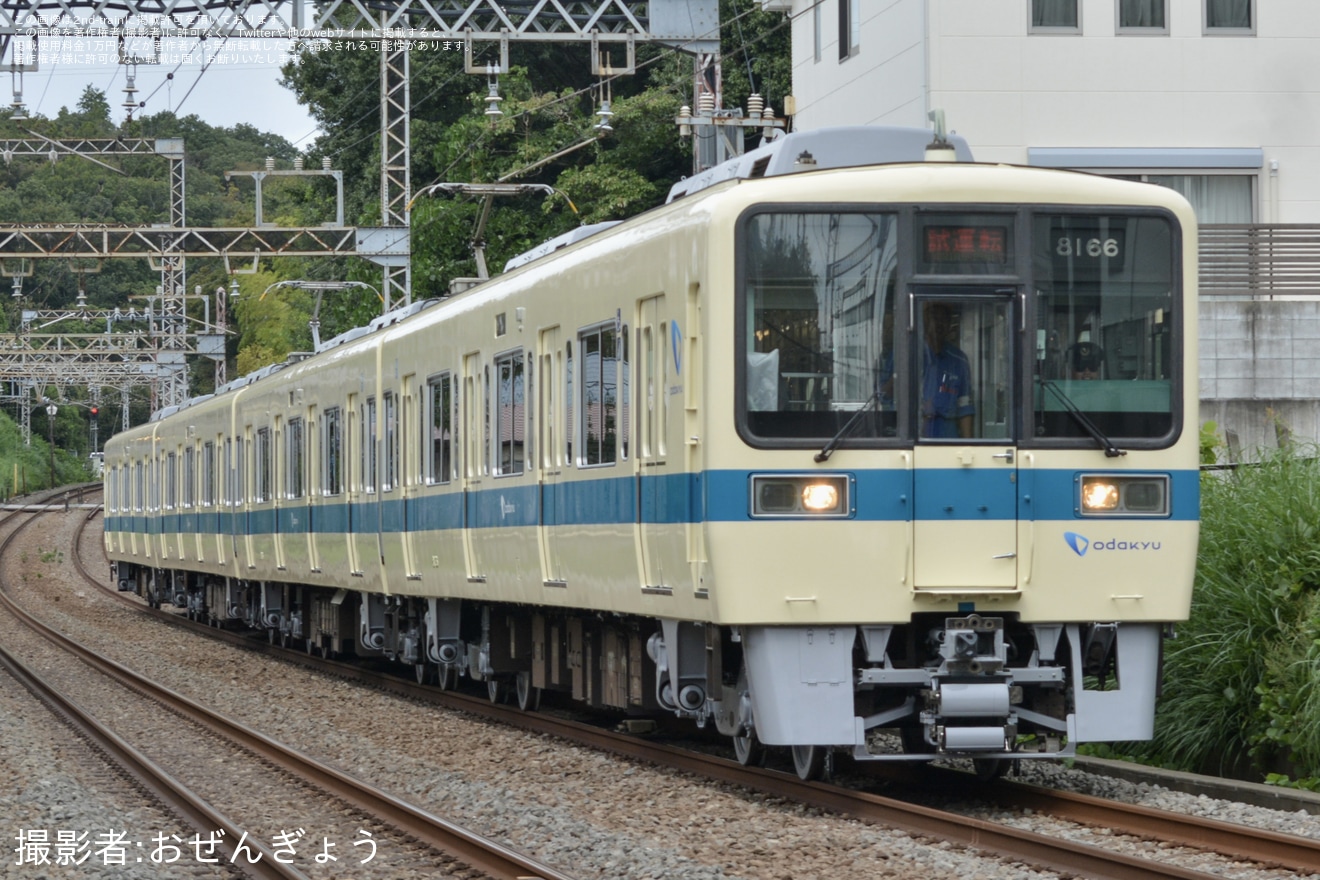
747, 748
529, 697
447, 678
989, 769
809, 762
420, 669
495, 689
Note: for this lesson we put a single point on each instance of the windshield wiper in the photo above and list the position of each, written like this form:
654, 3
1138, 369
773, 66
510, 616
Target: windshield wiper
828, 450
1111, 451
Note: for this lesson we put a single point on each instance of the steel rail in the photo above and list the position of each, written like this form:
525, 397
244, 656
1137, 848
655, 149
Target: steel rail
1240, 842
472, 849
167, 790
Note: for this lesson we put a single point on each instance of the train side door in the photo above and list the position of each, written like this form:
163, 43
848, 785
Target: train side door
662, 507
474, 403
550, 451
965, 457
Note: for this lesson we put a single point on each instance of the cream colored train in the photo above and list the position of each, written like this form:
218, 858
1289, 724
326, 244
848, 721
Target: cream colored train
852, 446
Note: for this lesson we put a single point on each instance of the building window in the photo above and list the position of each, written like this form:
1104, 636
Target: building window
1145, 16
850, 28
1054, 16
1230, 16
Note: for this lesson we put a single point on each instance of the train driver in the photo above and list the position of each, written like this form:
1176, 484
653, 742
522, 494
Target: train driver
946, 378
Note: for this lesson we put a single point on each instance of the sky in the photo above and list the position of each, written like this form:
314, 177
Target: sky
240, 84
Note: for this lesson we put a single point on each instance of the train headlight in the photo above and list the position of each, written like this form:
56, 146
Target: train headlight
1123, 495
820, 497
801, 495
1098, 495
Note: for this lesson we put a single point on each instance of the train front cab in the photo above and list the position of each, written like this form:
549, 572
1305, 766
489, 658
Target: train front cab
976, 497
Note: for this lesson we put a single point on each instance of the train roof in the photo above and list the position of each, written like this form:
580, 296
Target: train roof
823, 148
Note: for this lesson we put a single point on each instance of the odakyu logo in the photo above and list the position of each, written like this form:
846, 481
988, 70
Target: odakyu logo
1080, 544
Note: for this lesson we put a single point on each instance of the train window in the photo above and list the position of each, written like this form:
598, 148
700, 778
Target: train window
294, 459
369, 446
486, 426
171, 480
208, 474
1106, 341
510, 426
568, 402
603, 412
189, 477
139, 487
441, 429
261, 469
817, 315
390, 477
332, 476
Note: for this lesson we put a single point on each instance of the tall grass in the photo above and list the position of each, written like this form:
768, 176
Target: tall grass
1240, 686
27, 468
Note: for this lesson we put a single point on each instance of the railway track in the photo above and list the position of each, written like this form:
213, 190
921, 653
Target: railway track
226, 779
1163, 829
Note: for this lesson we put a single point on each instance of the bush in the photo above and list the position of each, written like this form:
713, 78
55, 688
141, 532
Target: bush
1240, 691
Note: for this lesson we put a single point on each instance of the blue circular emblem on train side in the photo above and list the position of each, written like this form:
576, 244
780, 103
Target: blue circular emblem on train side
1076, 542
676, 342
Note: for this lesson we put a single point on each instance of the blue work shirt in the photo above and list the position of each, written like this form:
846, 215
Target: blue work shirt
946, 391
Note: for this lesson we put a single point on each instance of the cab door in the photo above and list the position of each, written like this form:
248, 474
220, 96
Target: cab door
965, 458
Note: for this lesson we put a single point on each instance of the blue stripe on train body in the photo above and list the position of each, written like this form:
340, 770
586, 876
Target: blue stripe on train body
712, 496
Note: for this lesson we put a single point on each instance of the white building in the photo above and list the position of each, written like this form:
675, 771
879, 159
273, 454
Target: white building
1219, 99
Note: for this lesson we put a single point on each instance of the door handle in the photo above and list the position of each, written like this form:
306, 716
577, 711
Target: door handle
1006, 455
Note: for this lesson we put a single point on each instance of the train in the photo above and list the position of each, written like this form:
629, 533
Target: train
855, 446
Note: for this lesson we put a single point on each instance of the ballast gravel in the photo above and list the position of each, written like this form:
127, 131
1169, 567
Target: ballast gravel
585, 813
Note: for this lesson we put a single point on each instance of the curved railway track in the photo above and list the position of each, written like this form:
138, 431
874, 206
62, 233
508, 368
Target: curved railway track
1164, 829
309, 787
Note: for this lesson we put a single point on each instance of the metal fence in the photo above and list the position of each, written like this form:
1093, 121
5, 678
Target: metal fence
1260, 260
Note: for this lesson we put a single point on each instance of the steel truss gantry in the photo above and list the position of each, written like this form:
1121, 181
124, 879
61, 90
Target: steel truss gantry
394, 28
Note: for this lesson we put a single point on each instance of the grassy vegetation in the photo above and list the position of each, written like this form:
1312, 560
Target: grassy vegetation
1242, 680
27, 468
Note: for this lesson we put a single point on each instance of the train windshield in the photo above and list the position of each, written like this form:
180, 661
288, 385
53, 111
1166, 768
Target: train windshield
819, 307
1105, 307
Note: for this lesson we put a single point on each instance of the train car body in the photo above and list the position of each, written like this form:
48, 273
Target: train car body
813, 454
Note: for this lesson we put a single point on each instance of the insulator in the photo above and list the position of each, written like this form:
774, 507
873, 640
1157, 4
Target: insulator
270, 163
755, 105
130, 90
325, 163
706, 104
605, 114
684, 128
493, 99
